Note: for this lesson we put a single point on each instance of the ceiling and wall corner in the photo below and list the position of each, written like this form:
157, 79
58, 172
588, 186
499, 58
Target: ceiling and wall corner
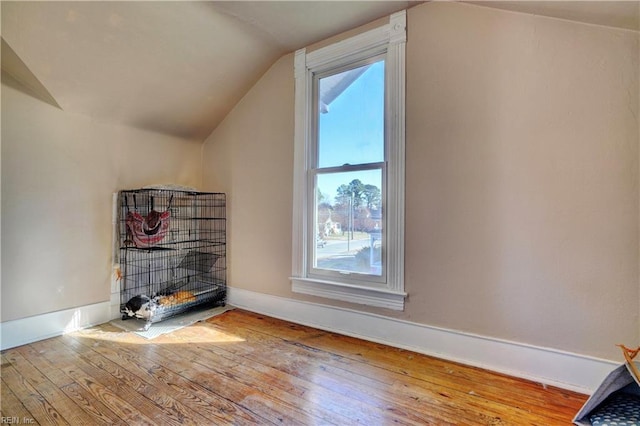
617, 14
17, 75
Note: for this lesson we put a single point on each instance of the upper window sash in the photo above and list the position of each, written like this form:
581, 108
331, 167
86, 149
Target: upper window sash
318, 147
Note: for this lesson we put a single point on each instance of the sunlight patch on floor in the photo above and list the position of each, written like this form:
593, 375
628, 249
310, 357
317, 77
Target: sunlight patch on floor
195, 333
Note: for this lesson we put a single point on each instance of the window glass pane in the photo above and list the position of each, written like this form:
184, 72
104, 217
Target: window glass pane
349, 222
351, 116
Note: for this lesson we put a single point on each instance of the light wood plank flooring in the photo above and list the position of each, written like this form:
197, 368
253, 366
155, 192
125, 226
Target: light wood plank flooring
244, 368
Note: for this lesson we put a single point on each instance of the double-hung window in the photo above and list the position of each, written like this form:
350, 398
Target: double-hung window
348, 230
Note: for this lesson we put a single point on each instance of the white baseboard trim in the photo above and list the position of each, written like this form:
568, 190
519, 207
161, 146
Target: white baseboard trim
548, 366
27, 330
544, 365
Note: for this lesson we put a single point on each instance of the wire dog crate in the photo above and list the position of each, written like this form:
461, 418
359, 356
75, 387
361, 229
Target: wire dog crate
172, 252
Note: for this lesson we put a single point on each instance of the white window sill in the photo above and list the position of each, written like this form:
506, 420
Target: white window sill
370, 296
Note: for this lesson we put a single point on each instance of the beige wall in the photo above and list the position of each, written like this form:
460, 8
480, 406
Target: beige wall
59, 171
522, 179
250, 156
522, 171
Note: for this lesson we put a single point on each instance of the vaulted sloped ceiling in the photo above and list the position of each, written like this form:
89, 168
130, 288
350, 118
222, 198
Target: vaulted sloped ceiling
171, 67
179, 67
168, 66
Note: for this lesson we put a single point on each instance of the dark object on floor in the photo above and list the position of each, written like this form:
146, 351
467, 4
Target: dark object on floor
141, 307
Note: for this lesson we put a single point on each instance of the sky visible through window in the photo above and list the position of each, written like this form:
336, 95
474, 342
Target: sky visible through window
352, 131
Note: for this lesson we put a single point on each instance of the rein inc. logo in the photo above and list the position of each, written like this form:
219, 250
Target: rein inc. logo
15, 420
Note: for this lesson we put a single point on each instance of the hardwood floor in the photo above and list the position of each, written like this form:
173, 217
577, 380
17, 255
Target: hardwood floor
244, 368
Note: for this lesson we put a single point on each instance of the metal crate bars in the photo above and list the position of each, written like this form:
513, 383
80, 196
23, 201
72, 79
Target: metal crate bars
172, 251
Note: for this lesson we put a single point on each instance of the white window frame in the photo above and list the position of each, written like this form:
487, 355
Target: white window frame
388, 292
